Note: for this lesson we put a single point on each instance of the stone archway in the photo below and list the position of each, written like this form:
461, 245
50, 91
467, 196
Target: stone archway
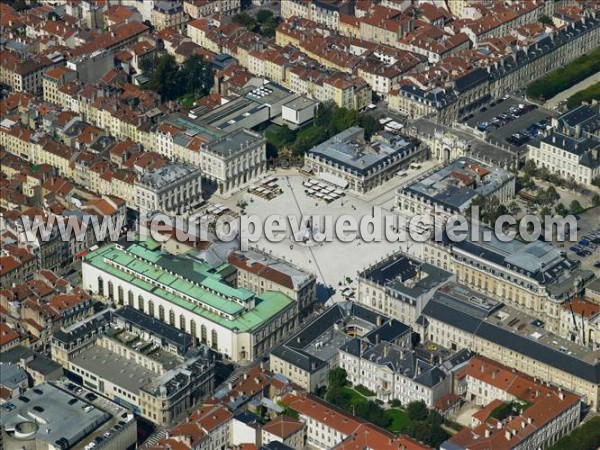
446, 154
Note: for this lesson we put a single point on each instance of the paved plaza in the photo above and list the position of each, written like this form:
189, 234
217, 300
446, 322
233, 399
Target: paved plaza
331, 262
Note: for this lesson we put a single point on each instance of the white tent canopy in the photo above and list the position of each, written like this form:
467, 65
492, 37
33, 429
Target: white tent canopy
336, 181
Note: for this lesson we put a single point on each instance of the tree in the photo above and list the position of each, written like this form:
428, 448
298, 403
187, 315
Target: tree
395, 403
263, 15
545, 20
370, 124
596, 200
336, 396
198, 75
417, 411
529, 169
585, 437
561, 210
576, 207
338, 377
245, 20
374, 413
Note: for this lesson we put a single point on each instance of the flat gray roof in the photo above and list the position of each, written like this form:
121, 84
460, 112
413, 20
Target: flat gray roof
108, 365
167, 175
457, 183
57, 413
233, 142
350, 150
301, 102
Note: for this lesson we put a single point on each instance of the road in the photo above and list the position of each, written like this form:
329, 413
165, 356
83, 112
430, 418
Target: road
564, 95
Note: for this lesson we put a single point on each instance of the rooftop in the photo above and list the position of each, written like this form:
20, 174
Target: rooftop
406, 276
164, 177
474, 313
54, 414
349, 149
191, 284
458, 183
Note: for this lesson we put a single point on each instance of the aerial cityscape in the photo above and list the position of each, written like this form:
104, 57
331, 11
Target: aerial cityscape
299, 224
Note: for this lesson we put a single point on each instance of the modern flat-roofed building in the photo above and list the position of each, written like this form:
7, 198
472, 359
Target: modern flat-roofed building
307, 356
48, 417
400, 286
451, 189
299, 111
173, 188
189, 294
359, 164
458, 317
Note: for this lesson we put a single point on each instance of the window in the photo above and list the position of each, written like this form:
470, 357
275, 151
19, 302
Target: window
203, 334
150, 307
214, 340
140, 303
171, 317
161, 313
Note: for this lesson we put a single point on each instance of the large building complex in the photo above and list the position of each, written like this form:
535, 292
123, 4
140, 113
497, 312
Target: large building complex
187, 293
572, 157
451, 189
309, 355
400, 286
538, 414
359, 164
173, 188
534, 277
457, 317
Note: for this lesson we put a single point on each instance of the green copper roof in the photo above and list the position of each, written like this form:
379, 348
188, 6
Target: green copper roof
192, 278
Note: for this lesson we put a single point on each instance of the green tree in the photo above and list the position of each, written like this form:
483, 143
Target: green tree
545, 20
338, 377
165, 78
198, 76
395, 403
336, 396
370, 124
417, 411
245, 20
596, 200
576, 207
561, 210
529, 169
263, 15
374, 413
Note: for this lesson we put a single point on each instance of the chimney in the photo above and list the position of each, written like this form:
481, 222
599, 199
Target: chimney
499, 425
385, 350
529, 420
377, 339
378, 321
245, 375
507, 435
487, 433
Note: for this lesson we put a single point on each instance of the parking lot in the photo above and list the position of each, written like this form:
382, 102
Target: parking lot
588, 235
513, 125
